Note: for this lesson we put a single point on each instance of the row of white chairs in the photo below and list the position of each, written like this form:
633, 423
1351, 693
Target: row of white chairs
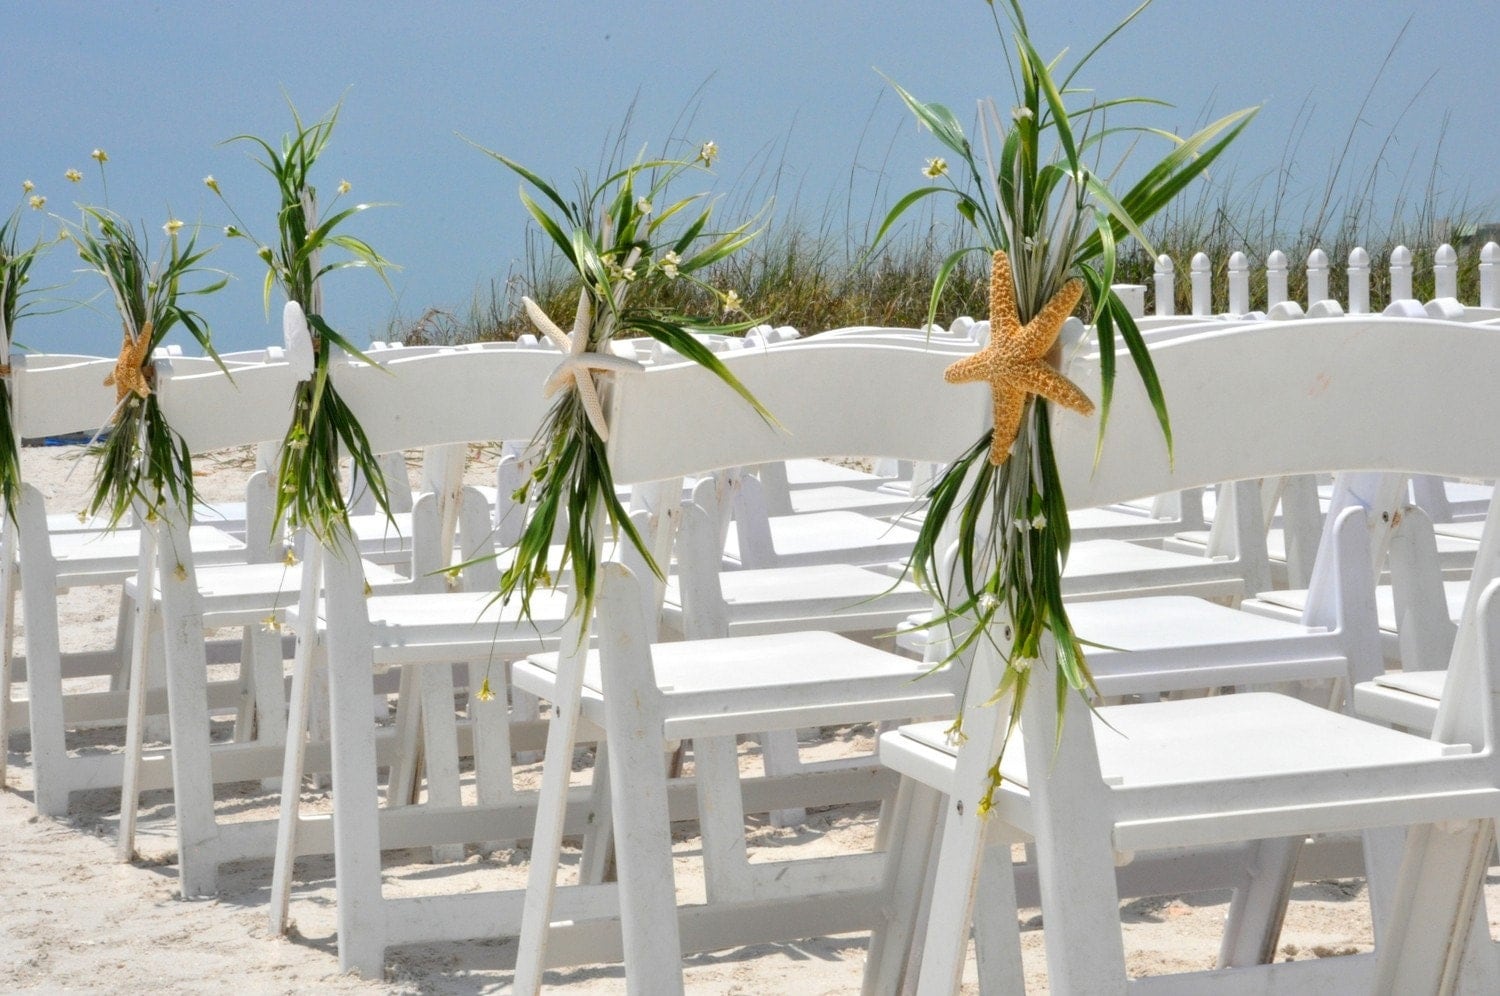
708, 692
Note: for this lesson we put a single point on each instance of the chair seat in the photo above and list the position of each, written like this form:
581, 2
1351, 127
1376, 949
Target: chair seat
830, 537
1165, 643
1173, 642
1426, 684
464, 625
1467, 531
1402, 698
383, 540
1294, 600
1097, 568
1116, 523
842, 597
765, 682
844, 497
236, 589
1210, 750
111, 557
820, 473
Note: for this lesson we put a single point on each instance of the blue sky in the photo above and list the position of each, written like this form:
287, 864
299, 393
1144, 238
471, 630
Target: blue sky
789, 91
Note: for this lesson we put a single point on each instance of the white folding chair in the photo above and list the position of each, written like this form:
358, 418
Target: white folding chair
709, 690
51, 399
1258, 767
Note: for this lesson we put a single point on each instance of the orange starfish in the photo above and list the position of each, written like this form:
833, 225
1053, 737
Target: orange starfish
128, 376
1014, 361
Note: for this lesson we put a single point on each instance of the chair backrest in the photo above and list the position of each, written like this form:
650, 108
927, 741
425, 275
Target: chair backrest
448, 396
212, 410
53, 399
829, 398
1358, 392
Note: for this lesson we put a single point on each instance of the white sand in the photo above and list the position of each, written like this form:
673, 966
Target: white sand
74, 918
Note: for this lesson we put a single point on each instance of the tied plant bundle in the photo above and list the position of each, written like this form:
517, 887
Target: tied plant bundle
1042, 210
625, 237
309, 493
142, 459
15, 268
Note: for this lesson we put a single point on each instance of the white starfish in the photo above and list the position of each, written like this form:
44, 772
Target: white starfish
576, 370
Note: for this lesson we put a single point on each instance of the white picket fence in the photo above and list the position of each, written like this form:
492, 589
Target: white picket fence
1444, 268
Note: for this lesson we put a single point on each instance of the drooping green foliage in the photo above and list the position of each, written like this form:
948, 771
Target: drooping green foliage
309, 493
1033, 188
142, 459
623, 237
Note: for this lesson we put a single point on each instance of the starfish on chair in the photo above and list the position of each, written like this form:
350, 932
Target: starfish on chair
576, 370
128, 377
1014, 363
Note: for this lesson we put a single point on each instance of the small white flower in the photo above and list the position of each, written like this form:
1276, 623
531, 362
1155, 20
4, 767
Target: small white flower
27, 186
1040, 522
99, 156
936, 166
988, 602
732, 302
211, 183
37, 202
231, 232
628, 274
173, 226
344, 187
669, 263
73, 176
642, 205
1023, 664
1020, 113
708, 152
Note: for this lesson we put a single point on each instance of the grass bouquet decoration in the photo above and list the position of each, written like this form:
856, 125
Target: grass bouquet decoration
142, 459
308, 488
625, 237
15, 267
1035, 197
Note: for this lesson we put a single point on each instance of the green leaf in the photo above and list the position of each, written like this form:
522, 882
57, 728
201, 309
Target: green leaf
900, 208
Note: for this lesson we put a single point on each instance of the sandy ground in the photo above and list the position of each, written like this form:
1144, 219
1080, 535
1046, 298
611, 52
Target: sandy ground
74, 918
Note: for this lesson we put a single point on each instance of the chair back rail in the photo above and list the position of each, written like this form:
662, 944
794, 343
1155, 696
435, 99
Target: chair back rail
465, 396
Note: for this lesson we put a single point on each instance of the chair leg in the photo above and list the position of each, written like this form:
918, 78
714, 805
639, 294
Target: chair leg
294, 760
643, 838
262, 656
187, 714
8, 579
135, 712
493, 777
552, 801
440, 747
997, 930
1257, 908
1071, 808
356, 795
244, 713
1439, 891
401, 787
596, 865
721, 819
781, 757
913, 821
